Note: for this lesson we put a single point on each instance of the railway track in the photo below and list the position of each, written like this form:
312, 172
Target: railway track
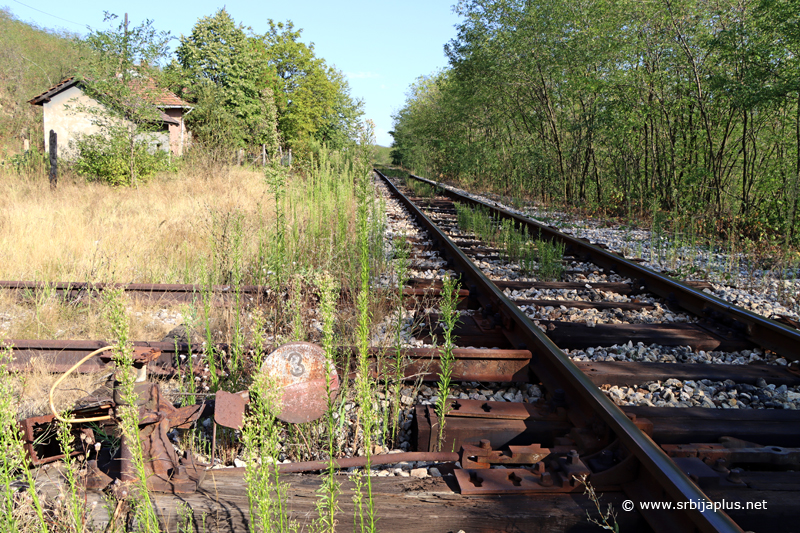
596, 374
674, 448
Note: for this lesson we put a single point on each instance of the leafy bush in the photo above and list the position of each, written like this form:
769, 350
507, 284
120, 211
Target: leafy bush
27, 162
107, 158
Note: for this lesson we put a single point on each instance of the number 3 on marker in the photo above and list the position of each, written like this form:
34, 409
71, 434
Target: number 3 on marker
296, 363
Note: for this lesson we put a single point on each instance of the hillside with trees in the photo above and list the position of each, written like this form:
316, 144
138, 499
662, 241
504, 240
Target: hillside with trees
249, 90
31, 59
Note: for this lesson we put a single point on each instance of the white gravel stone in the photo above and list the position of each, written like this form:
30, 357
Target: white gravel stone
419, 472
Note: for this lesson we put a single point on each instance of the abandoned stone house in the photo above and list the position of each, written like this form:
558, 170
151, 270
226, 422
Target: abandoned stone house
60, 102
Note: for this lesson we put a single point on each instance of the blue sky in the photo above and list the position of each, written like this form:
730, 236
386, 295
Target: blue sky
382, 47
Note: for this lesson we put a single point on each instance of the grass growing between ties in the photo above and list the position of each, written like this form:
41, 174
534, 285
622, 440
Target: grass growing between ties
75, 508
402, 254
261, 439
539, 257
366, 520
420, 189
549, 258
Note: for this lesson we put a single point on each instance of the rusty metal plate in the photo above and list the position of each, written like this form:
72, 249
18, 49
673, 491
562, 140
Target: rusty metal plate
488, 409
297, 371
229, 409
515, 480
483, 456
504, 481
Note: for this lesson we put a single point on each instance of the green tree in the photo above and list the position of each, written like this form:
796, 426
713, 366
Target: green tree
313, 99
229, 79
117, 71
678, 105
779, 20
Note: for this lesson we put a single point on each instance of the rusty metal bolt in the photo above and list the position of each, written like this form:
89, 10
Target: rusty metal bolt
721, 465
546, 480
573, 457
539, 468
486, 444
735, 476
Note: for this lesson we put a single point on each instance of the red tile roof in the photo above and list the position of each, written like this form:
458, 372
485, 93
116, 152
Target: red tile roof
63, 85
163, 97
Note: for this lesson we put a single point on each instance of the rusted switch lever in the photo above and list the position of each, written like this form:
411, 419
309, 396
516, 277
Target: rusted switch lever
165, 471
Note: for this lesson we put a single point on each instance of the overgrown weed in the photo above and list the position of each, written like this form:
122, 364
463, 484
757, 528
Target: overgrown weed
449, 319
128, 412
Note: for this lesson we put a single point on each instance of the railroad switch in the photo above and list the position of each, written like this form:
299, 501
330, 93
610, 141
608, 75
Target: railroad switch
297, 369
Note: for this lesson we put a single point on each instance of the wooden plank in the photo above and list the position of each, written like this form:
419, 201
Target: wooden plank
772, 481
700, 285
403, 505
769, 510
628, 374
673, 425
474, 338
467, 332
572, 335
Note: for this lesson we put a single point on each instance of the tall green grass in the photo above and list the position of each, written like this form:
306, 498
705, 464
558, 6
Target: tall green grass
449, 320
365, 385
402, 252
13, 460
128, 412
327, 504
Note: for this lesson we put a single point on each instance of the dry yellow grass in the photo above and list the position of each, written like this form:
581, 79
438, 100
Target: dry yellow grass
33, 317
157, 233
34, 388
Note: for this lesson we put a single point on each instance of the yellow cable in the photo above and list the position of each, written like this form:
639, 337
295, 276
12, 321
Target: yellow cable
63, 376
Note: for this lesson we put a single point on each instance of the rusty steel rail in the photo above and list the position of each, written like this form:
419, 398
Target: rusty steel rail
471, 364
166, 292
759, 330
557, 371
158, 291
